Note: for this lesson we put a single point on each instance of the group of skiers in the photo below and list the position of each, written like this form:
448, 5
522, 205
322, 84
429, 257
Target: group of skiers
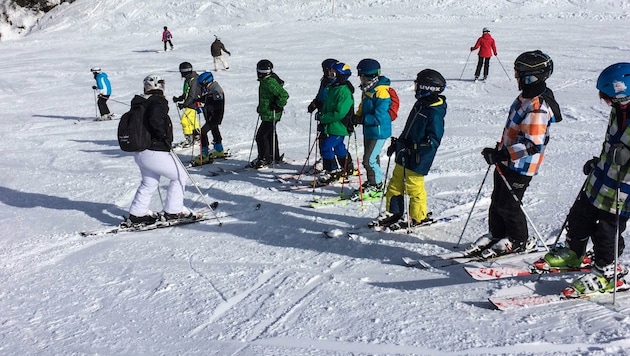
600, 212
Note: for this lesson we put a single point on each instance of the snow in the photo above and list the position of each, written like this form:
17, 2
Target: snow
266, 282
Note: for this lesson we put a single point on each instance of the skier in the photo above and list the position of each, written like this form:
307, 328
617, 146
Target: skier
594, 214
317, 104
272, 98
104, 88
518, 156
157, 161
214, 106
190, 104
336, 114
166, 37
415, 150
487, 47
377, 124
215, 50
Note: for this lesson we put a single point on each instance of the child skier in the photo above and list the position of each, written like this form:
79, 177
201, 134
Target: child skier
214, 106
415, 150
602, 208
272, 98
337, 113
377, 124
190, 104
518, 156
104, 88
487, 47
166, 37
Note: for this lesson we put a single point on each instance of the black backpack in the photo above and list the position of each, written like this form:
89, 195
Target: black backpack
133, 135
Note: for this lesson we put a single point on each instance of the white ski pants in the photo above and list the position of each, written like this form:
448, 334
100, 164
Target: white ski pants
153, 165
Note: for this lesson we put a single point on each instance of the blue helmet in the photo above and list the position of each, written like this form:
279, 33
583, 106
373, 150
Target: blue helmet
205, 78
342, 72
369, 67
614, 82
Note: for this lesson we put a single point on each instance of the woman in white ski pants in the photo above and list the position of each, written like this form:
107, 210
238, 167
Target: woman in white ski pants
153, 165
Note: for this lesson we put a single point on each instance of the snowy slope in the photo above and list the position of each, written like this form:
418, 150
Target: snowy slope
266, 283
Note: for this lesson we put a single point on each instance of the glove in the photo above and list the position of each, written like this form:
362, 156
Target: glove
94, 87
472, 49
175, 99
494, 156
619, 154
180, 106
311, 107
590, 165
357, 120
392, 147
276, 108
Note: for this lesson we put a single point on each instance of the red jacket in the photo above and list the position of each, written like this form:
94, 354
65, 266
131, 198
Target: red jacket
486, 46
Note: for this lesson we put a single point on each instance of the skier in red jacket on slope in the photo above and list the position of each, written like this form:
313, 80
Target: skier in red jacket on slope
487, 47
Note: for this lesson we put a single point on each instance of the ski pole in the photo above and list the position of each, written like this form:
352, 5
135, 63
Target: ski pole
273, 145
465, 64
406, 197
118, 101
520, 204
253, 140
95, 105
194, 182
566, 219
506, 73
380, 206
617, 230
344, 174
307, 157
473, 206
356, 152
310, 130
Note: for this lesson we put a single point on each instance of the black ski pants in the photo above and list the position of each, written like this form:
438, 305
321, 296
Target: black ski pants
505, 217
584, 221
485, 62
265, 141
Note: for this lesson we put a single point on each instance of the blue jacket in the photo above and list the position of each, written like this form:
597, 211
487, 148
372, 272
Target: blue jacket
375, 102
103, 84
418, 143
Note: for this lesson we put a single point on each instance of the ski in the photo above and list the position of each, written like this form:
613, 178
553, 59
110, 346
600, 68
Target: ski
338, 200
458, 258
410, 262
210, 160
506, 271
532, 300
399, 228
196, 217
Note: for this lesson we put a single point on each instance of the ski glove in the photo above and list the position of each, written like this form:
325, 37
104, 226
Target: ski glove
494, 156
180, 106
311, 107
590, 165
619, 154
357, 120
94, 87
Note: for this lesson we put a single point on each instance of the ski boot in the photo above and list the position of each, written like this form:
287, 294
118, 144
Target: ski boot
601, 279
481, 244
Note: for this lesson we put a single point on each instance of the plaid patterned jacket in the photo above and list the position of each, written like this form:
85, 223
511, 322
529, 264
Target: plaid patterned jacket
526, 134
602, 183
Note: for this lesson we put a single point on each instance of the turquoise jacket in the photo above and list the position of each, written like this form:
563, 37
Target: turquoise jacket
375, 102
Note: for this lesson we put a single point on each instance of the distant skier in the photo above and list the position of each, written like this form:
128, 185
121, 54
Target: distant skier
104, 88
487, 47
272, 98
415, 149
167, 37
518, 156
594, 214
215, 49
189, 102
156, 161
213, 97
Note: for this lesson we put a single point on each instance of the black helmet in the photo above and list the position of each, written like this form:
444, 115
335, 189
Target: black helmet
185, 68
532, 66
429, 81
264, 67
327, 64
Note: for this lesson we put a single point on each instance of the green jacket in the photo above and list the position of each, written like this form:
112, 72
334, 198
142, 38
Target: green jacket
271, 98
339, 101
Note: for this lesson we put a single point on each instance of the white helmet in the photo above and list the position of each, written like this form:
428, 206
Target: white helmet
95, 70
153, 82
